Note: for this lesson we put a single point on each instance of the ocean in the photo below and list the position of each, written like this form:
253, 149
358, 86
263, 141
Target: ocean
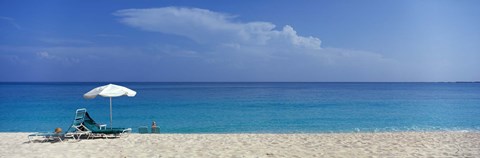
249, 107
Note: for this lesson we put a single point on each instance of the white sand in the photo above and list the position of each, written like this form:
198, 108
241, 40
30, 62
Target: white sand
401, 144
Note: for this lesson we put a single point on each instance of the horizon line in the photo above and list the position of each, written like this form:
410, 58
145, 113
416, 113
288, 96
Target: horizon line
239, 81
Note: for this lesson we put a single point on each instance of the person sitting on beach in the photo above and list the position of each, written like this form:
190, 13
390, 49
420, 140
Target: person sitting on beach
154, 127
58, 130
154, 124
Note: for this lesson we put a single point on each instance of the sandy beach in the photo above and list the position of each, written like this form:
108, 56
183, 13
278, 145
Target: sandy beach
398, 144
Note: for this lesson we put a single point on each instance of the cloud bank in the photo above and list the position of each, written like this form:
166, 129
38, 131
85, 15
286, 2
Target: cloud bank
205, 26
255, 48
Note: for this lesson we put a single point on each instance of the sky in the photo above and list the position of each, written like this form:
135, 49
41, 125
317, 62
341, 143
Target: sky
240, 41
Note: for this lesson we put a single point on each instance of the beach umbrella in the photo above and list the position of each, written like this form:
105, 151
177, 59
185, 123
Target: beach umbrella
110, 90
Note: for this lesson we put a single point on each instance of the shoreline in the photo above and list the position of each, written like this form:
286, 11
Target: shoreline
293, 133
381, 144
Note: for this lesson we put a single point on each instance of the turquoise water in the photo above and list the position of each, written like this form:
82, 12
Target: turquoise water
249, 107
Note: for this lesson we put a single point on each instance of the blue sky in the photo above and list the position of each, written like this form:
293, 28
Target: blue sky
175, 40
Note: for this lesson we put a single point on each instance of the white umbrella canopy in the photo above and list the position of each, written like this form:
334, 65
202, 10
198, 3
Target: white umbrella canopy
110, 90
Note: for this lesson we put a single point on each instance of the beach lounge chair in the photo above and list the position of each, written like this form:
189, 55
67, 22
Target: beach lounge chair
84, 124
96, 129
46, 137
77, 126
143, 129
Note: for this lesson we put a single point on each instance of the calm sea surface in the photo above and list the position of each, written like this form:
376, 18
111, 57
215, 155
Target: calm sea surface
249, 107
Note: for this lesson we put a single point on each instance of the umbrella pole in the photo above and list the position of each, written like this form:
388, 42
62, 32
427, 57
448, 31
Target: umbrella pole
111, 113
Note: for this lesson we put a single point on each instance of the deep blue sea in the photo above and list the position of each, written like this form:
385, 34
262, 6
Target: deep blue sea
249, 107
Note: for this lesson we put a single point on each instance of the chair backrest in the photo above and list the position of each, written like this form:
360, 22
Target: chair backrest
77, 124
79, 116
143, 129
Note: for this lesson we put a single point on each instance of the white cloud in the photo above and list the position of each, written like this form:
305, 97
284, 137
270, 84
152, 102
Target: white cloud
44, 55
205, 26
108, 35
11, 21
61, 41
64, 60
255, 48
